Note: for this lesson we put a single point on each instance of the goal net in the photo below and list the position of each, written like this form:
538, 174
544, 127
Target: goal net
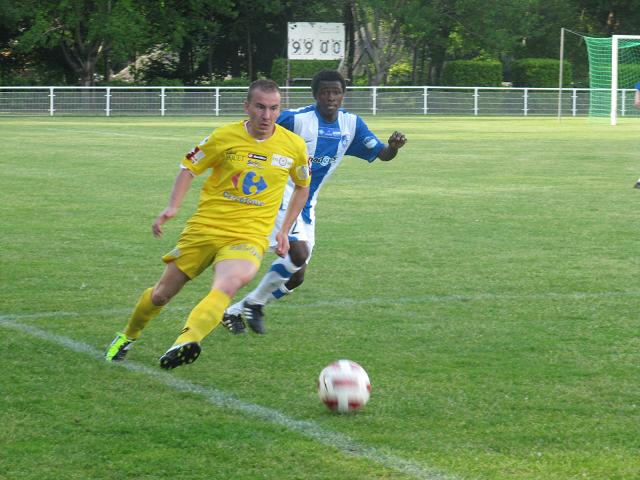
614, 70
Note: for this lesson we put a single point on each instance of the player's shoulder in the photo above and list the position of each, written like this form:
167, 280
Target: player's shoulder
351, 121
229, 128
291, 113
301, 110
289, 136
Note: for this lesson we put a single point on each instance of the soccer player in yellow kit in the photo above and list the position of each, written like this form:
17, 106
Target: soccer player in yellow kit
252, 161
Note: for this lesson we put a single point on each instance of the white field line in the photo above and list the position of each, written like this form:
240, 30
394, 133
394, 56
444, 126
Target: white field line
221, 399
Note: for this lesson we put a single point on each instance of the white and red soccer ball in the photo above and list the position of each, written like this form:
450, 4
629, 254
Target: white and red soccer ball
344, 386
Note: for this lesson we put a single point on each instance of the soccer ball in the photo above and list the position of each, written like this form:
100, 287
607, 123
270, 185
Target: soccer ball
344, 386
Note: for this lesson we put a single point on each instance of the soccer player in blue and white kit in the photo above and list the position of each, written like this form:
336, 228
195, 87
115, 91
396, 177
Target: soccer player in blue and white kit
330, 133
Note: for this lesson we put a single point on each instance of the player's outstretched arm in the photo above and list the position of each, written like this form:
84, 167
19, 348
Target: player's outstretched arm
396, 142
636, 101
180, 188
296, 203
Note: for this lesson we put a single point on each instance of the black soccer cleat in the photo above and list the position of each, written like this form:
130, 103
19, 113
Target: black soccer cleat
637, 184
179, 355
254, 316
234, 323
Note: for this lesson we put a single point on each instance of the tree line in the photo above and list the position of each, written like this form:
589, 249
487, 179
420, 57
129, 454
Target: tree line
201, 42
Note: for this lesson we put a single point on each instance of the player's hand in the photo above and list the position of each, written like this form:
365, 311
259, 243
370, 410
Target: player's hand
166, 215
282, 243
397, 140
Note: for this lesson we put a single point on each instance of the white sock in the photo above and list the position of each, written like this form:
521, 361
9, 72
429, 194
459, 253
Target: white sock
280, 272
271, 287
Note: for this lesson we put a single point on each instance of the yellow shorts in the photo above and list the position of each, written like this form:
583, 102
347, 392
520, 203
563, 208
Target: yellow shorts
195, 252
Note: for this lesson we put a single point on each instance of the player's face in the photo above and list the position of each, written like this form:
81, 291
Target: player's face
263, 110
329, 98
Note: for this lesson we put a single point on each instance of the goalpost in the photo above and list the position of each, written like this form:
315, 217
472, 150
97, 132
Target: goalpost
612, 74
614, 66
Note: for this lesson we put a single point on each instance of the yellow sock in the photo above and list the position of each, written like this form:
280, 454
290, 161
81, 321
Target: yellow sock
204, 317
144, 312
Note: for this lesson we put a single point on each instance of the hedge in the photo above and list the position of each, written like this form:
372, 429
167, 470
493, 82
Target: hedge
540, 72
472, 73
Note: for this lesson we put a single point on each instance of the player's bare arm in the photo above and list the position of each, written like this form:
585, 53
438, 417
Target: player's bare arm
636, 101
180, 188
296, 203
396, 141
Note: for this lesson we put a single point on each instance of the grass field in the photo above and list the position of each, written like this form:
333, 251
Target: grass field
487, 279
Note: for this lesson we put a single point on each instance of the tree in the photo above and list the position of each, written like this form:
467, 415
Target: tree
84, 30
378, 31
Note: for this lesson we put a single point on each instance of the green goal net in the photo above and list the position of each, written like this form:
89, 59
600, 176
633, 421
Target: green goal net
604, 78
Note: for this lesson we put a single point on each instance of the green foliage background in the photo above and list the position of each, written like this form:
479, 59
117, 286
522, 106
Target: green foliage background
540, 72
469, 73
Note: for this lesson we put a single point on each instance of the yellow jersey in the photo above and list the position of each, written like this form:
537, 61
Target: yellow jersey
242, 195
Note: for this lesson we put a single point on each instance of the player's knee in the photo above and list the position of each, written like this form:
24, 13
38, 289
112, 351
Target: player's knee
299, 253
296, 280
159, 297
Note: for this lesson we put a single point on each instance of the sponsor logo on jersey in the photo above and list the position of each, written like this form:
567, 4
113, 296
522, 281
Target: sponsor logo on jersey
281, 161
329, 132
255, 156
246, 201
253, 163
195, 155
345, 140
370, 142
324, 161
232, 156
249, 183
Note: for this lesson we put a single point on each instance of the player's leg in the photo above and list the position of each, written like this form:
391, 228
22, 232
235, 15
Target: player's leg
235, 266
279, 274
149, 306
270, 288
283, 276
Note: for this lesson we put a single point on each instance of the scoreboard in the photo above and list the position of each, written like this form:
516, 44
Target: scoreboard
315, 41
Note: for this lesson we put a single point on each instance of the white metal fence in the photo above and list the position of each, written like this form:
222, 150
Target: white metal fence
463, 101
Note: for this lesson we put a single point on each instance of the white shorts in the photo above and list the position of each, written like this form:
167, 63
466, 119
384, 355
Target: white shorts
301, 231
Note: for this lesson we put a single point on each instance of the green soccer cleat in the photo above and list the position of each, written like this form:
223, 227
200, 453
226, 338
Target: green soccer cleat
179, 355
118, 348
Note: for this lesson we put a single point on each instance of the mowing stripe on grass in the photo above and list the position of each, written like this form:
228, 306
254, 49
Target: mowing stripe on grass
478, 297
222, 399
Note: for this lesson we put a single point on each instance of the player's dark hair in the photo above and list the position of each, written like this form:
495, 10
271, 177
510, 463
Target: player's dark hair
327, 76
263, 84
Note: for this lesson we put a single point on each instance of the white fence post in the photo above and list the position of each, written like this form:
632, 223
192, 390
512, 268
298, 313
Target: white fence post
162, 101
525, 99
217, 95
374, 100
108, 105
424, 101
51, 105
475, 101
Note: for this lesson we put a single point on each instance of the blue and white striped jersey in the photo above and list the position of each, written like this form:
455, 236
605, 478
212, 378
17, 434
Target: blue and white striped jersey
327, 144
